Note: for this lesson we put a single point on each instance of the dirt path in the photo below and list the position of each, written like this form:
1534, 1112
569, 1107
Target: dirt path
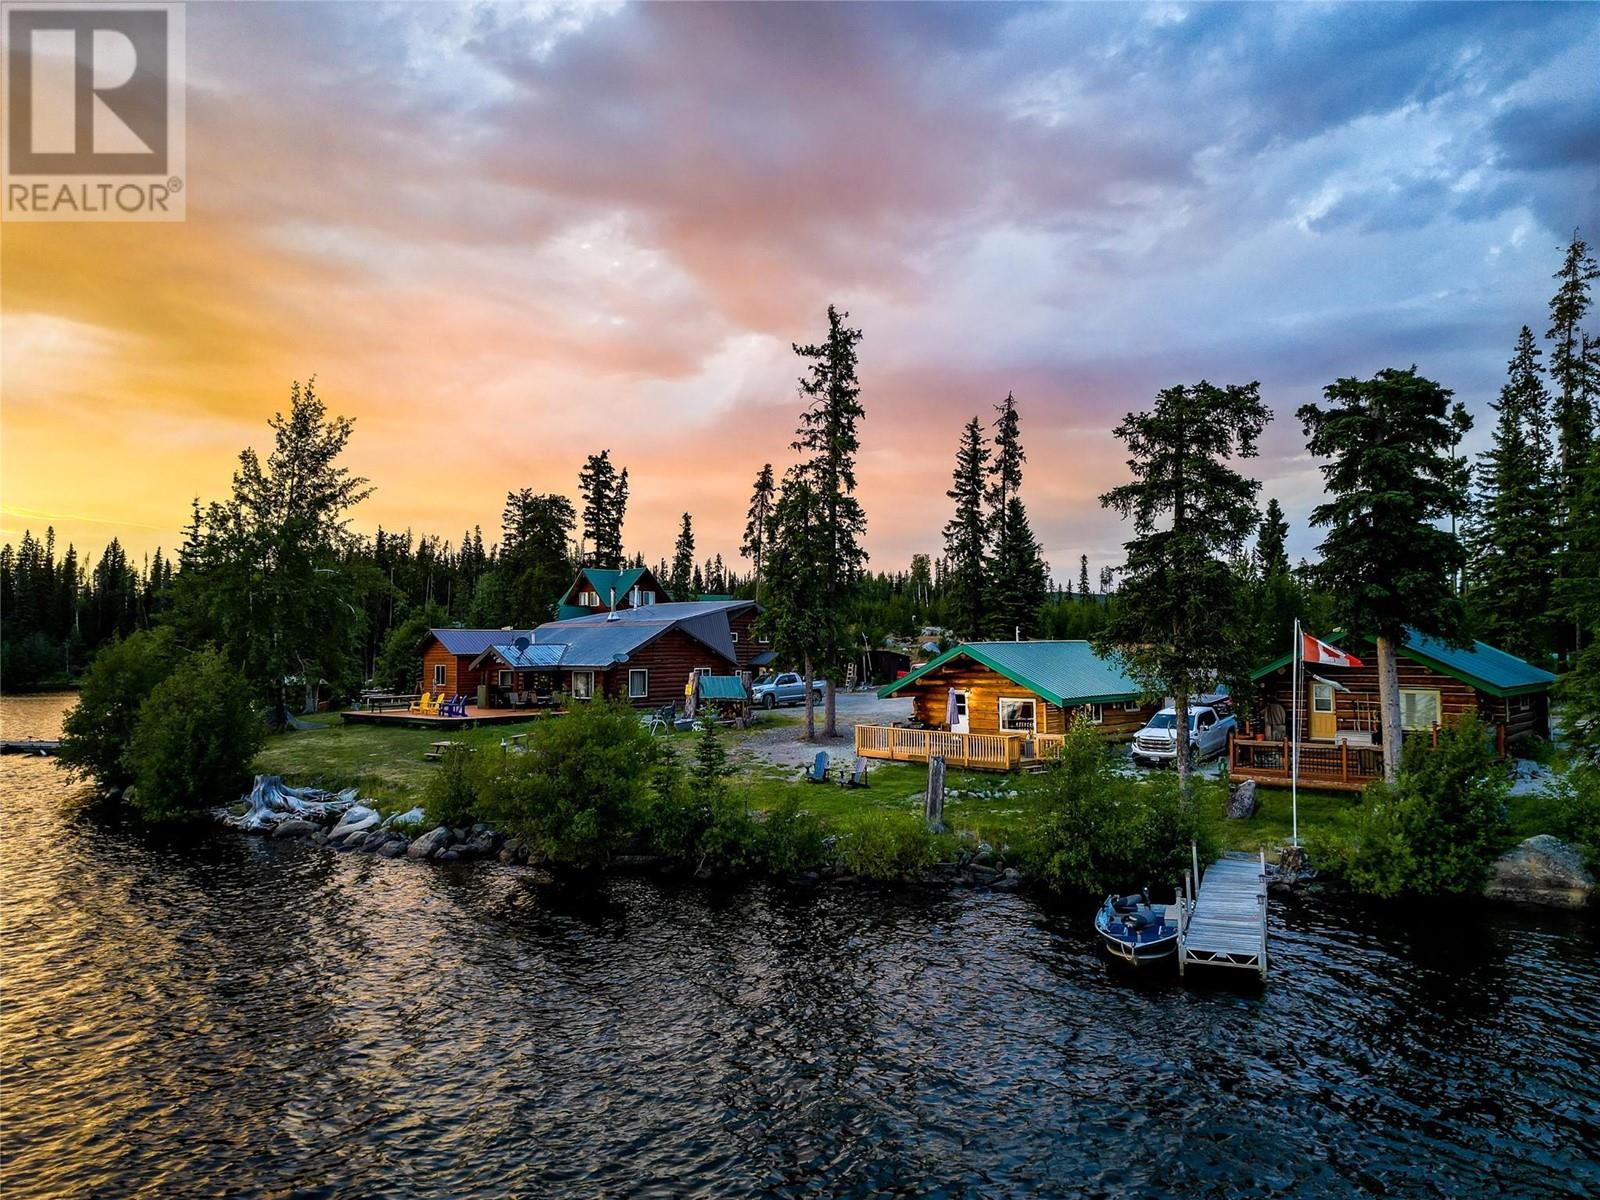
785, 745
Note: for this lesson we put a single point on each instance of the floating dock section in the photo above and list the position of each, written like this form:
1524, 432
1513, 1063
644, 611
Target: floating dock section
1224, 924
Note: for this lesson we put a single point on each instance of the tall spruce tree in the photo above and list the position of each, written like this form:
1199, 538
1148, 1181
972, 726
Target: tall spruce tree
1176, 623
1390, 479
1083, 574
966, 581
681, 580
1018, 578
1578, 600
758, 522
828, 440
1514, 535
1271, 556
605, 504
1574, 417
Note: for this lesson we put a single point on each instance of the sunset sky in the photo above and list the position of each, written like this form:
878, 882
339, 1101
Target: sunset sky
503, 237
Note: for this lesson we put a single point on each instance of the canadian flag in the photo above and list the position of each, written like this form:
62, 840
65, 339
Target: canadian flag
1324, 655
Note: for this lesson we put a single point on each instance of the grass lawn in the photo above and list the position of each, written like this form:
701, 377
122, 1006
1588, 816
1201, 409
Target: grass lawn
386, 764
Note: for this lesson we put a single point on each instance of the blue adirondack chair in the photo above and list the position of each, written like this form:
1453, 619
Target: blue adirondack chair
456, 706
817, 772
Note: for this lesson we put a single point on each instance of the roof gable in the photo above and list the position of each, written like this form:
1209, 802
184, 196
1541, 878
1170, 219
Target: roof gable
473, 641
1066, 673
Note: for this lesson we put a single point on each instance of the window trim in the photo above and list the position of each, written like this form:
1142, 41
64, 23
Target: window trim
438, 675
1097, 713
1316, 695
589, 693
641, 695
1438, 708
504, 678
1015, 702
1131, 706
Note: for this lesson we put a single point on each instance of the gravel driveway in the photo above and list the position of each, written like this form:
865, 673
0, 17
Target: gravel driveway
785, 745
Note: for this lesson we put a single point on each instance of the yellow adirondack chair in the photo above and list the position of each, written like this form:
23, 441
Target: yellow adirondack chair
427, 706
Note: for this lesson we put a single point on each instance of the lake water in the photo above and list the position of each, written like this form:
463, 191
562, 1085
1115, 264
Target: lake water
229, 1017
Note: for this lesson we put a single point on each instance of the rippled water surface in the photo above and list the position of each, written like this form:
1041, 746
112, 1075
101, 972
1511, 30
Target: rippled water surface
228, 1017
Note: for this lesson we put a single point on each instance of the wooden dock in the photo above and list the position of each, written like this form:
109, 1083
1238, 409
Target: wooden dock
34, 746
1225, 924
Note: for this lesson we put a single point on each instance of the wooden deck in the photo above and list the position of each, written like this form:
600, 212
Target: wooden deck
976, 751
1225, 925
1323, 765
475, 716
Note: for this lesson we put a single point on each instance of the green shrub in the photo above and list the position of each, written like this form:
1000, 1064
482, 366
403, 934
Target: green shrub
888, 847
1438, 829
792, 839
729, 841
579, 794
1575, 812
196, 734
451, 796
1530, 746
1110, 832
96, 733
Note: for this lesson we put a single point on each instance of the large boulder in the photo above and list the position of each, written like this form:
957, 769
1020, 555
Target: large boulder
1242, 804
431, 843
412, 818
1541, 870
295, 827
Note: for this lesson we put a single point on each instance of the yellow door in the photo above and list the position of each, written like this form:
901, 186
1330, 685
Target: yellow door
1324, 723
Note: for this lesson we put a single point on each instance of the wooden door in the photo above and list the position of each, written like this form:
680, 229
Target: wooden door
1324, 722
959, 725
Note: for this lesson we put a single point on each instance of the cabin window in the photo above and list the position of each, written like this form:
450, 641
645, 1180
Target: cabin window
1322, 697
438, 675
646, 597
638, 684
1521, 704
734, 635
1131, 706
589, 599
583, 685
1016, 716
633, 597
1097, 713
699, 671
504, 679
1418, 710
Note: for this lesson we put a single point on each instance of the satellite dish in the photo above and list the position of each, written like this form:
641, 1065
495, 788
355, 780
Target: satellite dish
522, 643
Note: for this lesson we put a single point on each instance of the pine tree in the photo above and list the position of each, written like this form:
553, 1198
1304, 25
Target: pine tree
1176, 622
758, 523
1578, 600
1514, 536
1083, 575
1271, 556
827, 437
1390, 479
1018, 578
605, 503
680, 582
966, 580
1574, 416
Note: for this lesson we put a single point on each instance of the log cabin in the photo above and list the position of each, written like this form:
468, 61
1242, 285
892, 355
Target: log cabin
1339, 727
645, 655
448, 656
1000, 704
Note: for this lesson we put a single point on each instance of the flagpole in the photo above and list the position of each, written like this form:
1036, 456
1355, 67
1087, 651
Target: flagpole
1294, 741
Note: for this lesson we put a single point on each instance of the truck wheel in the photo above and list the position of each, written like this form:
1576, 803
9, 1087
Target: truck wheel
769, 702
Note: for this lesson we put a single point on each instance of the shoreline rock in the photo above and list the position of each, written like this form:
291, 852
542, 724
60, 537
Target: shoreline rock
1542, 870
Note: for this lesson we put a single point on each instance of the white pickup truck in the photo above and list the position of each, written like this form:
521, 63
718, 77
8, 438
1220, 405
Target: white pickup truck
1208, 735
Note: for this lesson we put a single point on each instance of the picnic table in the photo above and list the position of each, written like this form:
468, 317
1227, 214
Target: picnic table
379, 701
437, 750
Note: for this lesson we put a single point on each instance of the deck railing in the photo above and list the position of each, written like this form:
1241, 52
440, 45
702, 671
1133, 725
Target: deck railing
984, 751
1322, 764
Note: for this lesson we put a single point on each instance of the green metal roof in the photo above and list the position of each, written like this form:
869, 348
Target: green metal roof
1064, 673
1478, 664
722, 687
